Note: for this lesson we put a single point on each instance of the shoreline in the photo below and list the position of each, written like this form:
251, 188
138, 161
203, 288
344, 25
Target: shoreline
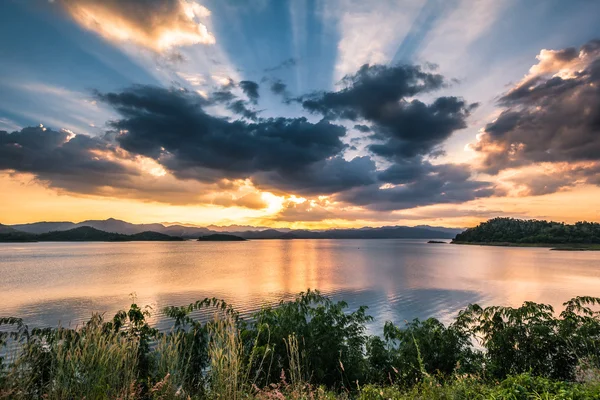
555, 247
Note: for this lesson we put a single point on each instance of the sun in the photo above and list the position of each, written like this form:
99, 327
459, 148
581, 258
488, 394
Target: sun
274, 203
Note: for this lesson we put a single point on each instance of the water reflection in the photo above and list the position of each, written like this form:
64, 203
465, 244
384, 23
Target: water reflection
398, 279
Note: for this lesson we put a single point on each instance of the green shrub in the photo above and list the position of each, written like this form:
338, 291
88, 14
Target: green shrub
308, 348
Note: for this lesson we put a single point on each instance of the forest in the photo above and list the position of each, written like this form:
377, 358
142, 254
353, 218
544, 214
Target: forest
519, 231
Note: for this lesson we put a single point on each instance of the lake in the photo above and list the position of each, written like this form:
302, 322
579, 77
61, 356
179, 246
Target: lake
48, 283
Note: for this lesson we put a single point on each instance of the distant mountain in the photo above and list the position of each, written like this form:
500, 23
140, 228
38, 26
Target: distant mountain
43, 227
112, 225
118, 226
386, 232
243, 228
84, 234
221, 237
266, 234
185, 231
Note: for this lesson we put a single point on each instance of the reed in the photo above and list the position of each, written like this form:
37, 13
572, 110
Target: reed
83, 363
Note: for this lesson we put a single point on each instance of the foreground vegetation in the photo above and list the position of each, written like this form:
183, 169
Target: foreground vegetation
511, 232
309, 348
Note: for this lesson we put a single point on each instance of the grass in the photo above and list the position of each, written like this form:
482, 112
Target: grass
84, 363
308, 348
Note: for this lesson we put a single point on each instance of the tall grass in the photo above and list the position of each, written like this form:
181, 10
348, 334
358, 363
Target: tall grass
226, 360
85, 363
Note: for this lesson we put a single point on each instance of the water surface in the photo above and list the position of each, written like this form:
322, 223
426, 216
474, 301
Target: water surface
45, 283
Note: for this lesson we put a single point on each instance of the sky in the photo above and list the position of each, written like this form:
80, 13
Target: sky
300, 114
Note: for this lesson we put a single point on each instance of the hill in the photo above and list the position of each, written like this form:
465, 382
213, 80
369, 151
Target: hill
84, 234
220, 237
531, 232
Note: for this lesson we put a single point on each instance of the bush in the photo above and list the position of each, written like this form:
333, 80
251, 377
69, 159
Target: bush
308, 348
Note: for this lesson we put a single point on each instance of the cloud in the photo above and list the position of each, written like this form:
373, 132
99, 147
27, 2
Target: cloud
252, 200
239, 107
250, 89
325, 177
292, 154
419, 185
158, 25
551, 116
87, 165
278, 87
309, 210
384, 96
68, 161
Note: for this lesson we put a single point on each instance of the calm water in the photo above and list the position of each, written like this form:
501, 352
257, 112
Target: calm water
45, 283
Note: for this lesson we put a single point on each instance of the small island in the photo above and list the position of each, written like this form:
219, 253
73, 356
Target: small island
221, 237
580, 236
437, 242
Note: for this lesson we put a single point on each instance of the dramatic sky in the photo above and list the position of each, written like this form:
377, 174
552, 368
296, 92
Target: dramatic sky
303, 113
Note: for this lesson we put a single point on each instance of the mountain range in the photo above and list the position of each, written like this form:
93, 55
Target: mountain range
247, 232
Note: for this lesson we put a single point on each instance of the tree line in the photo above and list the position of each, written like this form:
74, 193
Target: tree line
511, 230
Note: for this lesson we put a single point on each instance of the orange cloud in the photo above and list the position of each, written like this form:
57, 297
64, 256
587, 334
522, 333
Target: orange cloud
159, 25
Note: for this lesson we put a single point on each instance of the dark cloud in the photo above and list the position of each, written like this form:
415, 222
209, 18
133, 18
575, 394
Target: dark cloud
382, 96
96, 166
67, 161
224, 96
406, 132
371, 88
549, 117
289, 154
324, 177
221, 96
419, 128
278, 87
447, 183
239, 107
250, 89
